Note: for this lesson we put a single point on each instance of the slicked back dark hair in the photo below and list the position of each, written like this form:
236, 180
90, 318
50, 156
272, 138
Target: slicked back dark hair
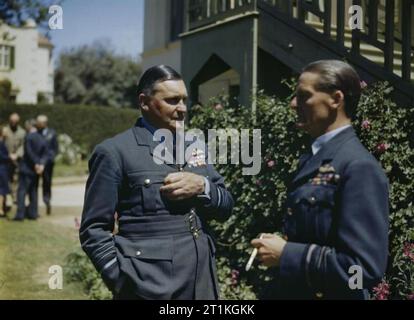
338, 75
154, 75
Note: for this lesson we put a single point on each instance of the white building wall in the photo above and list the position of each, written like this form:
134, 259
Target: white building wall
32, 65
157, 46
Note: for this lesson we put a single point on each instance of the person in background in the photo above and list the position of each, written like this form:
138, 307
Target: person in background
53, 149
31, 166
4, 173
14, 138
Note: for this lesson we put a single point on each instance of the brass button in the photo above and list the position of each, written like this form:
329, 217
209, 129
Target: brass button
195, 234
290, 211
138, 253
319, 295
312, 200
192, 211
147, 182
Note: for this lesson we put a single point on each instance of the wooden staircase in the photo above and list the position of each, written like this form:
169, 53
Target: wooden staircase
368, 51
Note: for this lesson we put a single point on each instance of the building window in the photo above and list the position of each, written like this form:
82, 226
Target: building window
6, 57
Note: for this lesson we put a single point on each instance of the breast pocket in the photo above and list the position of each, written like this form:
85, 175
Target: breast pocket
145, 191
313, 212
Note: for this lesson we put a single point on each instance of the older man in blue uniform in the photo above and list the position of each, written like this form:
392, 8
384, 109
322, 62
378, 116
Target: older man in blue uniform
335, 243
161, 250
31, 167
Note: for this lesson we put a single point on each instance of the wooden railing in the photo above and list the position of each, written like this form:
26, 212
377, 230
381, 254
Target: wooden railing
205, 12
380, 32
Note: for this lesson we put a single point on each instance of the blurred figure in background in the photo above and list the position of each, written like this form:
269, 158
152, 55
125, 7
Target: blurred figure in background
4, 174
53, 148
31, 167
14, 138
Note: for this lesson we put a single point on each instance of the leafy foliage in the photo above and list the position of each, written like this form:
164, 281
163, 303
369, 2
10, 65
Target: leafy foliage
79, 269
17, 12
384, 128
86, 125
95, 75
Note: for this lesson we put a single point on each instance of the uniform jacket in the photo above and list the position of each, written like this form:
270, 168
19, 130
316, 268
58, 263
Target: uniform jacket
161, 250
35, 152
52, 144
336, 218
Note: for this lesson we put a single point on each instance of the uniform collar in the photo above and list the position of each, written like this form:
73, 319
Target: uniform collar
146, 124
323, 139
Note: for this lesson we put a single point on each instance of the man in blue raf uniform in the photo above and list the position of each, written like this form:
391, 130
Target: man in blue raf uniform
31, 166
53, 149
161, 250
335, 243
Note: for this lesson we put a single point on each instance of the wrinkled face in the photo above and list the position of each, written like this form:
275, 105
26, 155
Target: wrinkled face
314, 108
167, 105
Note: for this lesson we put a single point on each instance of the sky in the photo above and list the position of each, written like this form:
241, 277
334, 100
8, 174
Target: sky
118, 22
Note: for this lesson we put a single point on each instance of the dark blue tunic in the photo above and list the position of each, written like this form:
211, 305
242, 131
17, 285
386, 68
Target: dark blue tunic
4, 175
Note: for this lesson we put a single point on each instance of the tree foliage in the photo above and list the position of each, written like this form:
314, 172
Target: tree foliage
95, 75
17, 12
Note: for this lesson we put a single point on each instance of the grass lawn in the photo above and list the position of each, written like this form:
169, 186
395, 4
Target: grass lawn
76, 170
29, 248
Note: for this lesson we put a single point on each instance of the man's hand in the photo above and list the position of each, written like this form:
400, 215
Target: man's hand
269, 249
39, 168
182, 185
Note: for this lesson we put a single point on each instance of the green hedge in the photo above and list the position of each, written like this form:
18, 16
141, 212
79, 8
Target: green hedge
385, 129
86, 125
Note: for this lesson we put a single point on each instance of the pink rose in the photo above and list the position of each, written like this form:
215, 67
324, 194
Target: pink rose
271, 163
382, 147
408, 250
234, 277
382, 291
366, 125
218, 106
363, 84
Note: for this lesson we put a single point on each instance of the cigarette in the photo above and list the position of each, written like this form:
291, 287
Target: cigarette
252, 256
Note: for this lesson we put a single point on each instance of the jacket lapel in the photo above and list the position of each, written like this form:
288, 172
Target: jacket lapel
325, 154
145, 138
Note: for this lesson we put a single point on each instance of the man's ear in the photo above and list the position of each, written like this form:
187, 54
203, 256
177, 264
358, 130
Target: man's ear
142, 101
338, 99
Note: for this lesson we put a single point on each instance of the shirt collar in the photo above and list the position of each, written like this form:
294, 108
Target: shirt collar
320, 141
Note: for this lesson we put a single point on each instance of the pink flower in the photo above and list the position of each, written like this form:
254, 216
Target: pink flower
366, 125
382, 291
234, 277
363, 84
408, 251
271, 163
218, 106
259, 182
382, 147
